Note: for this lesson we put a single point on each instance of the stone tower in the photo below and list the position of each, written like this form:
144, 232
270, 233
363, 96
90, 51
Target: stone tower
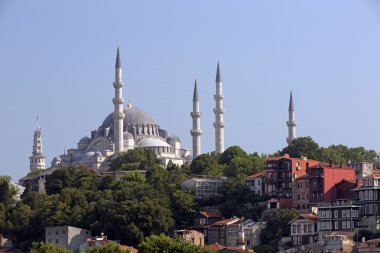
118, 101
292, 121
37, 160
219, 111
196, 132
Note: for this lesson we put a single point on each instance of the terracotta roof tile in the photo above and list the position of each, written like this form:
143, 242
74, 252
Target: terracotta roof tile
211, 214
260, 174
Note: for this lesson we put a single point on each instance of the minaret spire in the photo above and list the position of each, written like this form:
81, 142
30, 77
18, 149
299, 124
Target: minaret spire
37, 160
292, 121
196, 132
219, 112
118, 101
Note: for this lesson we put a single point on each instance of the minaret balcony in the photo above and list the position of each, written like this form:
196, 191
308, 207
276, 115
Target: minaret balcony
219, 97
118, 85
219, 110
195, 132
219, 125
118, 101
118, 116
196, 114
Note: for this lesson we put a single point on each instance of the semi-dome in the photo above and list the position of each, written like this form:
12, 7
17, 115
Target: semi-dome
153, 142
85, 140
133, 116
127, 135
173, 138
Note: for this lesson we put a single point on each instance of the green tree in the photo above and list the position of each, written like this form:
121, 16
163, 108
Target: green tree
277, 227
134, 159
106, 248
231, 153
163, 244
41, 247
302, 146
71, 177
240, 167
7, 191
205, 164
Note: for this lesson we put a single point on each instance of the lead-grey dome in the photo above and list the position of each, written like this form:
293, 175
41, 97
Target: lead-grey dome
133, 116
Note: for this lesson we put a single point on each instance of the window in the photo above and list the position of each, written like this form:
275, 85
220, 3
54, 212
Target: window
336, 225
56, 241
303, 196
366, 195
298, 196
298, 228
370, 208
348, 213
343, 224
336, 214
348, 224
310, 227
294, 229
344, 213
327, 214
323, 214
305, 228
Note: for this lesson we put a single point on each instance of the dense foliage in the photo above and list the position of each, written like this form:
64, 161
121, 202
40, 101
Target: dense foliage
277, 227
339, 154
163, 244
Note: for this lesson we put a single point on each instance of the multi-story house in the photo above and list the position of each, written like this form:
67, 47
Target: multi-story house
281, 171
338, 215
225, 232
370, 246
300, 194
322, 181
203, 187
304, 229
252, 233
368, 195
205, 218
193, 236
255, 183
67, 236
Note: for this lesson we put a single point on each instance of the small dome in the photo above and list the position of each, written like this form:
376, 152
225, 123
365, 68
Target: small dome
57, 159
173, 138
98, 153
127, 135
153, 142
88, 155
78, 156
85, 140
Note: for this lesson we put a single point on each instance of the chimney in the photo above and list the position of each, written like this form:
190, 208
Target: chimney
307, 165
331, 163
286, 155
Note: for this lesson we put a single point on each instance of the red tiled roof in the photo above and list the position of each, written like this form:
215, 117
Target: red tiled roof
310, 216
216, 247
302, 176
272, 201
211, 214
372, 176
260, 174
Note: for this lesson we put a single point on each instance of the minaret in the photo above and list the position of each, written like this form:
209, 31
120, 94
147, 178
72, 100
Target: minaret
219, 111
292, 121
37, 160
118, 101
196, 132
241, 236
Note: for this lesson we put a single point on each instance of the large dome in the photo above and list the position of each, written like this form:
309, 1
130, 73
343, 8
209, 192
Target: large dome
133, 116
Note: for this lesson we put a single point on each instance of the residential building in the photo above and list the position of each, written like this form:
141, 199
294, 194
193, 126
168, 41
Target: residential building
66, 236
339, 215
255, 183
300, 194
363, 169
203, 187
278, 203
205, 218
225, 232
304, 229
218, 248
370, 246
192, 236
368, 195
338, 241
281, 171
103, 240
322, 181
252, 233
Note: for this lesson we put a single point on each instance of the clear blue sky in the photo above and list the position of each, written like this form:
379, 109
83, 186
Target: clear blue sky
57, 60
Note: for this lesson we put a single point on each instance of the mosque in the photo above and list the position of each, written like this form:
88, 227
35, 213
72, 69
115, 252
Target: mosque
129, 127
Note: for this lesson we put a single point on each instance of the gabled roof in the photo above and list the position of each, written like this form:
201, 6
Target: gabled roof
219, 247
211, 214
225, 222
260, 174
309, 216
